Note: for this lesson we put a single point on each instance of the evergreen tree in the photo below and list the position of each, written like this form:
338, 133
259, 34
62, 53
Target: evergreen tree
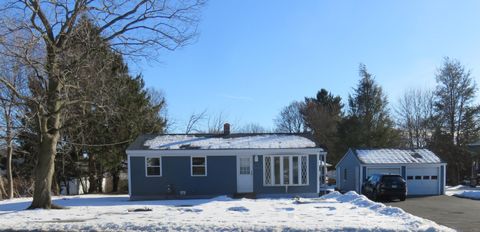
368, 122
322, 115
112, 110
115, 110
457, 118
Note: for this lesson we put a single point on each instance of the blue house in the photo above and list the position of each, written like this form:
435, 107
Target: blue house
423, 171
205, 165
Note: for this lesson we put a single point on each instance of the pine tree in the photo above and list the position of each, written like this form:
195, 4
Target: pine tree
112, 110
368, 123
116, 107
322, 115
457, 118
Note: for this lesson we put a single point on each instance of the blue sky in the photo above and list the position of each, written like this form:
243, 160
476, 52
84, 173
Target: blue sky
254, 57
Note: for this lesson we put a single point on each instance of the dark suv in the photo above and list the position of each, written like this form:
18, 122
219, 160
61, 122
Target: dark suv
385, 186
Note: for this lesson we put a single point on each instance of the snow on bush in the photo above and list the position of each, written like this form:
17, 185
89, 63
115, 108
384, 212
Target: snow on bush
464, 191
471, 194
332, 212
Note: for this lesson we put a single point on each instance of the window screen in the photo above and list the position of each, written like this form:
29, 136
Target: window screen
153, 166
199, 166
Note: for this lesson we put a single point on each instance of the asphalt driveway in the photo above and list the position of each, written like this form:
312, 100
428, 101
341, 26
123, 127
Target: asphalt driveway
457, 213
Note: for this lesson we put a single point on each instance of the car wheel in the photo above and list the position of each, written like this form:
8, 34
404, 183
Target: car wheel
374, 195
402, 198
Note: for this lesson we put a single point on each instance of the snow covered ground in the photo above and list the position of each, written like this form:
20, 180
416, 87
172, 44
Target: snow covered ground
332, 212
464, 192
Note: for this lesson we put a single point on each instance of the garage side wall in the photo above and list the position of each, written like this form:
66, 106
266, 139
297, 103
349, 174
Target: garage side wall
348, 172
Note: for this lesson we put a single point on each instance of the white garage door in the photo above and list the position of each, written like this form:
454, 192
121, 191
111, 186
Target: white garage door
423, 181
393, 171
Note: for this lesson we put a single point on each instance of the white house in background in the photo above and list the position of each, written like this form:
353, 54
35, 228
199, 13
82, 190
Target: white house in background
421, 168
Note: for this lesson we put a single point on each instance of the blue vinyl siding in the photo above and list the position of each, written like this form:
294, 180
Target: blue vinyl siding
364, 171
349, 182
221, 177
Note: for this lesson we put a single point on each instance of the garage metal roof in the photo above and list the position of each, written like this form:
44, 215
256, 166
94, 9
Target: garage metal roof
393, 156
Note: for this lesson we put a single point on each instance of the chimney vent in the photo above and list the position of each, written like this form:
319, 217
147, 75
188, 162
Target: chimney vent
226, 129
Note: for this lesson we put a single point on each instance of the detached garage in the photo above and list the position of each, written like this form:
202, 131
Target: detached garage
421, 168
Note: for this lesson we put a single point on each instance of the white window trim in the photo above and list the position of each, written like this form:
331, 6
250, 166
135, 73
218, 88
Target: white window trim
146, 166
290, 166
191, 165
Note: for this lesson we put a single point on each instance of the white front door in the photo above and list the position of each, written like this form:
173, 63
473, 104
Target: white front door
244, 174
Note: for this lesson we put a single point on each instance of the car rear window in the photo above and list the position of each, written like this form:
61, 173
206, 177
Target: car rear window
392, 179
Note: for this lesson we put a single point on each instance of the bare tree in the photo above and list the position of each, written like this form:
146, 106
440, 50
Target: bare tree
215, 123
130, 27
157, 97
290, 119
252, 128
415, 113
194, 121
11, 110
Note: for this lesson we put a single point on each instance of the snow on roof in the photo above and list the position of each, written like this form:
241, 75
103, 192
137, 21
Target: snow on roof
240, 142
390, 156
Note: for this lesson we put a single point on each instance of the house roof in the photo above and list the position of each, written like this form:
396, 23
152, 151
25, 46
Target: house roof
221, 141
394, 156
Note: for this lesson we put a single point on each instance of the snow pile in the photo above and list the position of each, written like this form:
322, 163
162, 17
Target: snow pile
469, 194
332, 212
241, 142
464, 191
457, 187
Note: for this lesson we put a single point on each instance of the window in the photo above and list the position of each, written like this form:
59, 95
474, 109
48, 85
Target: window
426, 177
344, 174
267, 174
409, 177
295, 169
153, 166
199, 165
276, 168
285, 170
434, 177
418, 177
245, 168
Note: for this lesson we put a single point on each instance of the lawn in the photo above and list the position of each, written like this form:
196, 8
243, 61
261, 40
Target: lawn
332, 212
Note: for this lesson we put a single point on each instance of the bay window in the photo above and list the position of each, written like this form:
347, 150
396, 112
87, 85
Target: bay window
285, 170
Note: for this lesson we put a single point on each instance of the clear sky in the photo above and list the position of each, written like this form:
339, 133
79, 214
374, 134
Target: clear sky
254, 57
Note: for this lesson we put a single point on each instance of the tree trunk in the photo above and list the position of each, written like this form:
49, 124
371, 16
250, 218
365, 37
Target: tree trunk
9, 168
55, 185
44, 173
92, 174
3, 193
115, 180
49, 126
